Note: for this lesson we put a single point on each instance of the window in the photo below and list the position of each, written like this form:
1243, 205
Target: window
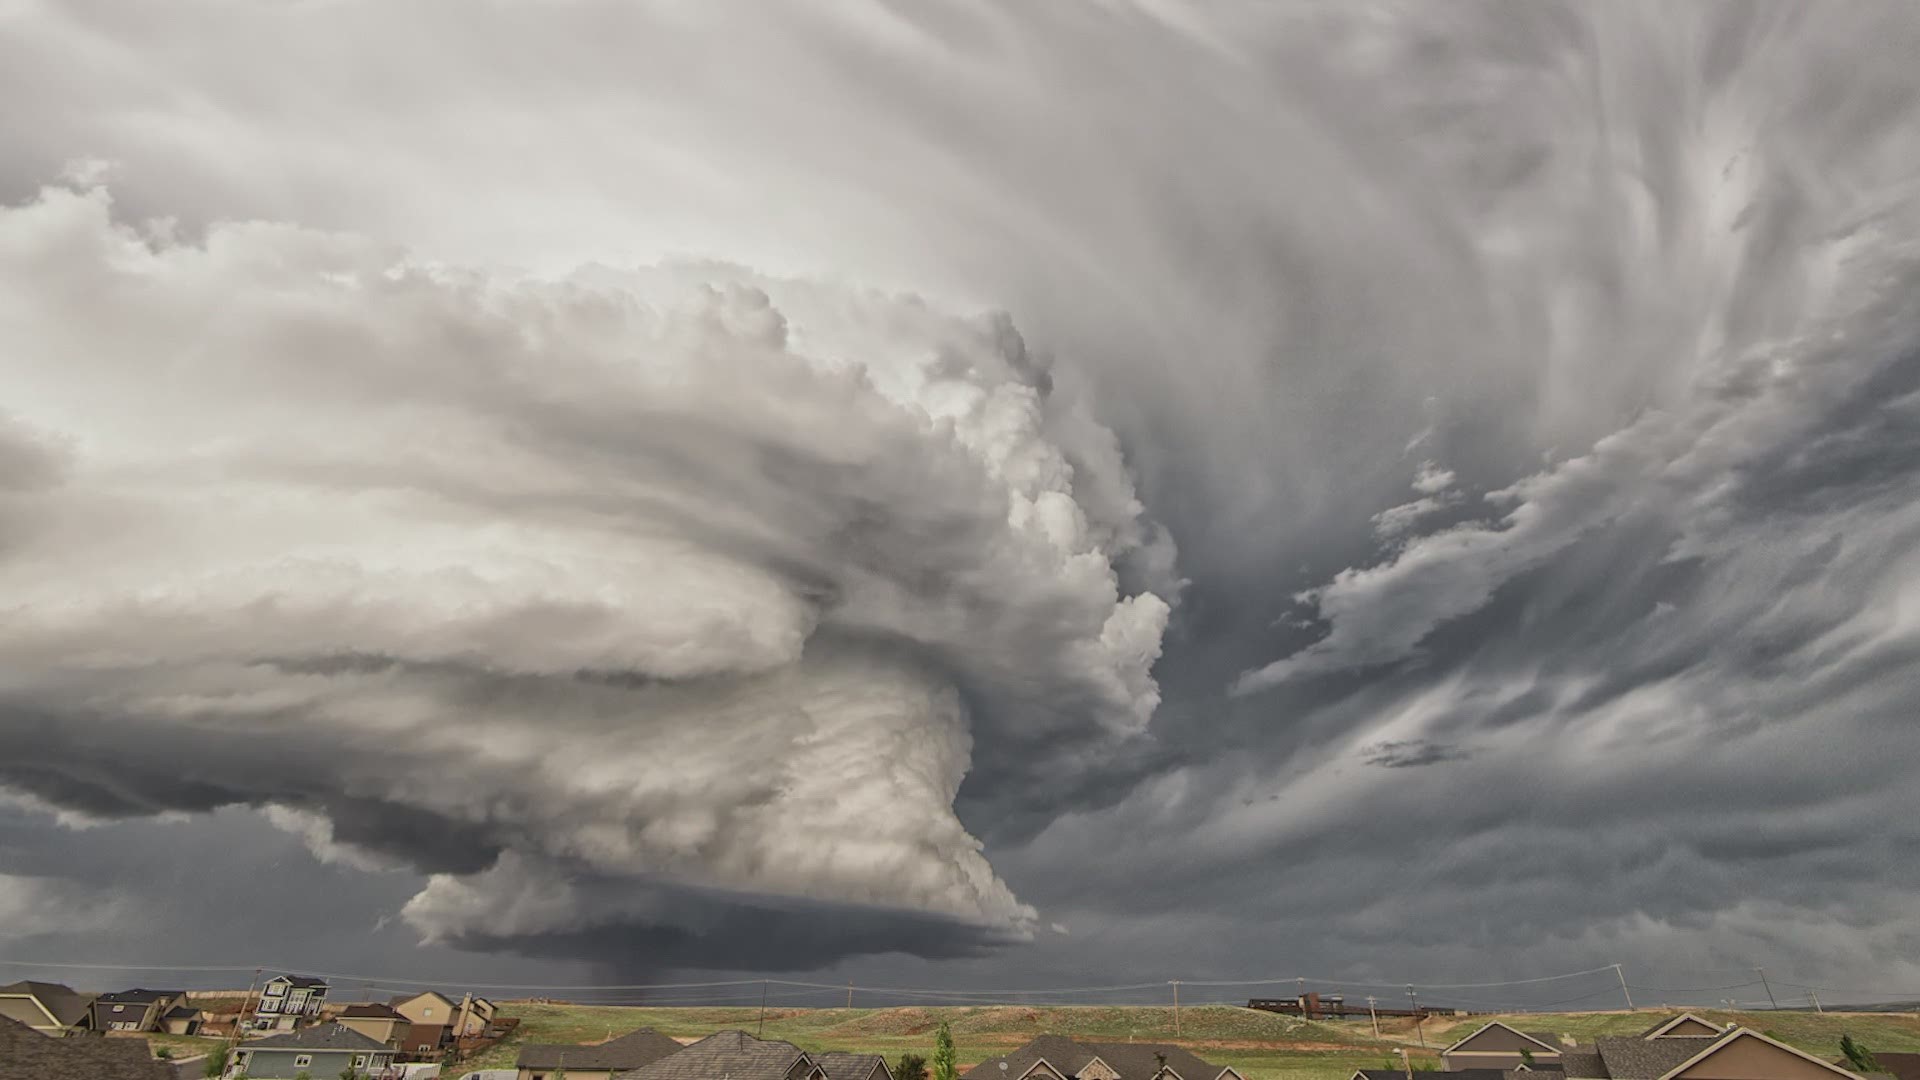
426, 1048
301, 1061
275, 989
359, 1060
119, 1008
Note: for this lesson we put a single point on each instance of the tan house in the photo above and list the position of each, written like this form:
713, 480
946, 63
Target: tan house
183, 1020
1056, 1057
1732, 1054
599, 1061
382, 1023
473, 1017
48, 1008
1497, 1046
429, 1007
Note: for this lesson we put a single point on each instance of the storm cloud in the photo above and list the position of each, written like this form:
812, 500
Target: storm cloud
1380, 490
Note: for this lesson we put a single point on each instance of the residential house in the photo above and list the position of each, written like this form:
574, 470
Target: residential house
322, 1050
1733, 1054
134, 1010
288, 1000
734, 1055
1497, 1046
1055, 1057
854, 1066
183, 1020
430, 1019
472, 1017
542, 1061
48, 1008
28, 1055
382, 1023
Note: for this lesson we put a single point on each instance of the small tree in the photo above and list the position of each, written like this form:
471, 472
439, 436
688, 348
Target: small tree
349, 1073
1857, 1056
164, 1053
216, 1063
910, 1067
1526, 1057
303, 1074
944, 1067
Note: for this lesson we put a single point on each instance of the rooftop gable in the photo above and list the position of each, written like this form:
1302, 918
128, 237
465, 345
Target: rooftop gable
1746, 1040
1684, 1026
1495, 1036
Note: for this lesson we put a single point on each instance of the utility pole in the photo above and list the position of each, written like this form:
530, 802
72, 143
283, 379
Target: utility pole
1176, 1007
849, 993
1300, 993
233, 1040
763, 1010
1815, 998
1406, 1062
1623, 988
1372, 1015
1769, 986
1417, 1018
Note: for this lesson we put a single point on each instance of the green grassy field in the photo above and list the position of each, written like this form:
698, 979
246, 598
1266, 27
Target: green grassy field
1263, 1046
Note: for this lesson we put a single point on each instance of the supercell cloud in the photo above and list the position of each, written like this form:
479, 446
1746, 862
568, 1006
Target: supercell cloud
1404, 491
573, 592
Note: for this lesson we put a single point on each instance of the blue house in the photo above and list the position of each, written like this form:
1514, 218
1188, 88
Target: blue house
324, 1051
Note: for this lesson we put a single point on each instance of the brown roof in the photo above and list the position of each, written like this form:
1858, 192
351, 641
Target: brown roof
1904, 1066
852, 1066
1133, 1061
67, 1005
733, 1054
375, 1011
26, 1054
629, 1051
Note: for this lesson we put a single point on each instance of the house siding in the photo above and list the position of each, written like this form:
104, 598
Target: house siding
327, 1064
1750, 1059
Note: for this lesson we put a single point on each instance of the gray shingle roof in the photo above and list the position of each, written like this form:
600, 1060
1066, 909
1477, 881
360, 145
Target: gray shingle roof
318, 1037
629, 1051
852, 1066
299, 980
1454, 1074
1133, 1061
67, 1005
1629, 1057
733, 1054
139, 996
1582, 1064
26, 1054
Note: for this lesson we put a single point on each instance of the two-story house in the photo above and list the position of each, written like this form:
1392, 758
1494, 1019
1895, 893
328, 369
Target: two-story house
287, 1001
138, 1009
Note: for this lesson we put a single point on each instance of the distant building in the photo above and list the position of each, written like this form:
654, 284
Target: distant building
541, 1061
134, 1010
48, 1008
286, 1001
323, 1050
1055, 1057
473, 1017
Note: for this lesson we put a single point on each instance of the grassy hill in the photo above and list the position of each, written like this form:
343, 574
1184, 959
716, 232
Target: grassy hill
1263, 1046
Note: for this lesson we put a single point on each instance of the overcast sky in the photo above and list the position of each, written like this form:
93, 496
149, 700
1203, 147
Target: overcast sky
961, 493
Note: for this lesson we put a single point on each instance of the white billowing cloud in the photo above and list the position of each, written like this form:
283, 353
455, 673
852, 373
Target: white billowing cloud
676, 575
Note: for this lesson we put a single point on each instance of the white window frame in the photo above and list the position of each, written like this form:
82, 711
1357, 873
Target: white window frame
302, 1061
275, 989
359, 1061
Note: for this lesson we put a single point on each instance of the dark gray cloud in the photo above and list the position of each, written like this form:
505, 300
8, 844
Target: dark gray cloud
1528, 396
